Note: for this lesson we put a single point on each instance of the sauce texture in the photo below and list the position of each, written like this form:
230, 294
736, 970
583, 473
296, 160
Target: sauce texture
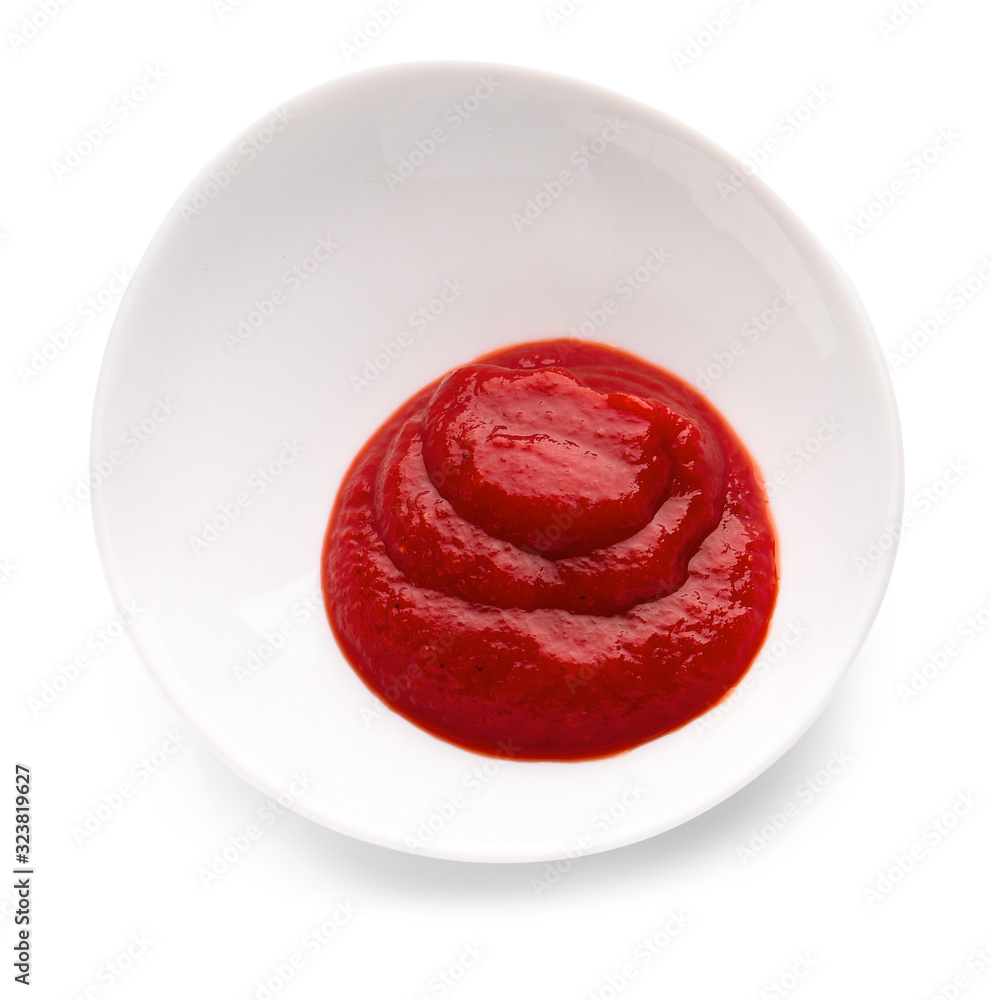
557, 552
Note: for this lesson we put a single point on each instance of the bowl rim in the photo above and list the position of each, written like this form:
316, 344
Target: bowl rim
830, 279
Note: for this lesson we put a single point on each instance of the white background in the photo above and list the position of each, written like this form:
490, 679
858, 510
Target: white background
748, 922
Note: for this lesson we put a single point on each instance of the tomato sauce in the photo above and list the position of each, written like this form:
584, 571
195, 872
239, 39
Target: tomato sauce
556, 552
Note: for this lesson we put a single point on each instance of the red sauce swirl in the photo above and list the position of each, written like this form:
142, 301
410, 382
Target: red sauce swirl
557, 552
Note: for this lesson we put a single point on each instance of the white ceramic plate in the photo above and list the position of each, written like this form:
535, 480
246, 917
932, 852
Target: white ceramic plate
360, 242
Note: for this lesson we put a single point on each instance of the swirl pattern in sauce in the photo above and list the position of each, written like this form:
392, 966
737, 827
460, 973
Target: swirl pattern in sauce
557, 552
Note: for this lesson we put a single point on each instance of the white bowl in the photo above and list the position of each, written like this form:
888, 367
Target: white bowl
357, 244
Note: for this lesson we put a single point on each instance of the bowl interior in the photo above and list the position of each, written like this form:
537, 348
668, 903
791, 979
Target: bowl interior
360, 242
